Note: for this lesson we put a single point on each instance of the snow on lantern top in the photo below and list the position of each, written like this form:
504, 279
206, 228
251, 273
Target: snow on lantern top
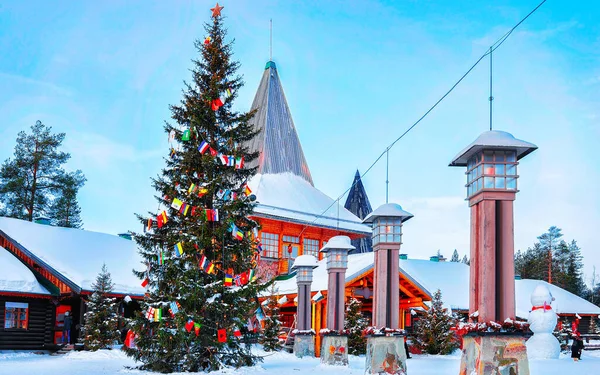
304, 265
337, 251
387, 223
305, 261
493, 140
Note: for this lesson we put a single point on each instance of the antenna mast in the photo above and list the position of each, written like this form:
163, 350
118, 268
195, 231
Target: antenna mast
271, 39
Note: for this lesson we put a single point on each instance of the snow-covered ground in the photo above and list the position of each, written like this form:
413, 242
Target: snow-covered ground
115, 362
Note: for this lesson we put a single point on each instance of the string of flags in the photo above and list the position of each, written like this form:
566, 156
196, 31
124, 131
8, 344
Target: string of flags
228, 160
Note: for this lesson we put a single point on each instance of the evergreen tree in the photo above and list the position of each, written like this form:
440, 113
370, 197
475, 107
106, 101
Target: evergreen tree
562, 332
100, 329
270, 338
204, 235
65, 210
355, 323
455, 257
433, 334
27, 181
465, 260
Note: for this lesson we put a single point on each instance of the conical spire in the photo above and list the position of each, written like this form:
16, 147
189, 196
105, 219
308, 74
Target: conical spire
358, 203
277, 141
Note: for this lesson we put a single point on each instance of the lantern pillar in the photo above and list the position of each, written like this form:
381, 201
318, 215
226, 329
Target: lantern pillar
304, 339
385, 339
491, 162
334, 344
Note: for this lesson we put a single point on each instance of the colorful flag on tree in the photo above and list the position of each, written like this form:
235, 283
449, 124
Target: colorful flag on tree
197, 328
184, 209
150, 313
161, 219
176, 203
178, 249
186, 135
204, 146
228, 280
239, 162
175, 307
192, 188
145, 282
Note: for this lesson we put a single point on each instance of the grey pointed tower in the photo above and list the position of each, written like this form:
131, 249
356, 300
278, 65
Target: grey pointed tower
358, 203
277, 141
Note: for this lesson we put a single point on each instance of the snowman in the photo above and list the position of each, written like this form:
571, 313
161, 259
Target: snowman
542, 320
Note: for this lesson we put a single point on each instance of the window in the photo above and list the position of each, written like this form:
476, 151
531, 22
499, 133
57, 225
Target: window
16, 315
270, 245
492, 170
311, 247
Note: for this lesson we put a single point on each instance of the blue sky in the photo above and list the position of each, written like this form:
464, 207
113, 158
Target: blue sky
356, 75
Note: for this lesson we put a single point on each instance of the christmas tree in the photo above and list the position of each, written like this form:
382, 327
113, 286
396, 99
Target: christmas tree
270, 339
433, 334
100, 328
355, 323
563, 332
200, 250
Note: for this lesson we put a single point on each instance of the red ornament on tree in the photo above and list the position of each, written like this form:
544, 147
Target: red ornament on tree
222, 335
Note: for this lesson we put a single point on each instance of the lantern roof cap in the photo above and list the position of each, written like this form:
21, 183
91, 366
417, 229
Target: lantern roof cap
305, 261
388, 210
493, 140
338, 242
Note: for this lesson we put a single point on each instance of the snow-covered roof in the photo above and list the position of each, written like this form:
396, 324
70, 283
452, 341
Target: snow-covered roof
388, 210
16, 277
493, 139
358, 264
290, 197
78, 254
565, 302
451, 278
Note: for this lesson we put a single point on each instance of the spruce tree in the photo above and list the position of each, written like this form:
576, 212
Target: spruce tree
65, 210
355, 323
433, 334
100, 329
28, 180
270, 337
455, 256
202, 236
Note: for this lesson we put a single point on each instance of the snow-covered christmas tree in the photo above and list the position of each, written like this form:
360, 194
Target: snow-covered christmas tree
355, 324
200, 247
100, 329
270, 337
433, 333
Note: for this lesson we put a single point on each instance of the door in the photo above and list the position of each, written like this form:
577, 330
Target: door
290, 253
58, 324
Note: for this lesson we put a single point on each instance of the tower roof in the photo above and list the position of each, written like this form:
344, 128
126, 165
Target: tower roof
277, 140
358, 203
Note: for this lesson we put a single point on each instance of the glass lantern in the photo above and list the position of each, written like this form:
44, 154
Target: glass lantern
337, 258
304, 274
387, 230
492, 170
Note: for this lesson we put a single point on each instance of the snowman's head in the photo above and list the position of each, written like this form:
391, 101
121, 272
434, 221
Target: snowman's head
541, 294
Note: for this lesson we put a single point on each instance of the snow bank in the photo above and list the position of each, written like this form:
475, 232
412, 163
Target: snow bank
16, 277
79, 254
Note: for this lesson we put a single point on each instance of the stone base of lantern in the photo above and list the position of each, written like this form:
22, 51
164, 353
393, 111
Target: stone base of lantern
334, 350
385, 355
494, 353
304, 345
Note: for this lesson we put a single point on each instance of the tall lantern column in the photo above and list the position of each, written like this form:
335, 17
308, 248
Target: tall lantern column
334, 345
304, 339
491, 162
385, 339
